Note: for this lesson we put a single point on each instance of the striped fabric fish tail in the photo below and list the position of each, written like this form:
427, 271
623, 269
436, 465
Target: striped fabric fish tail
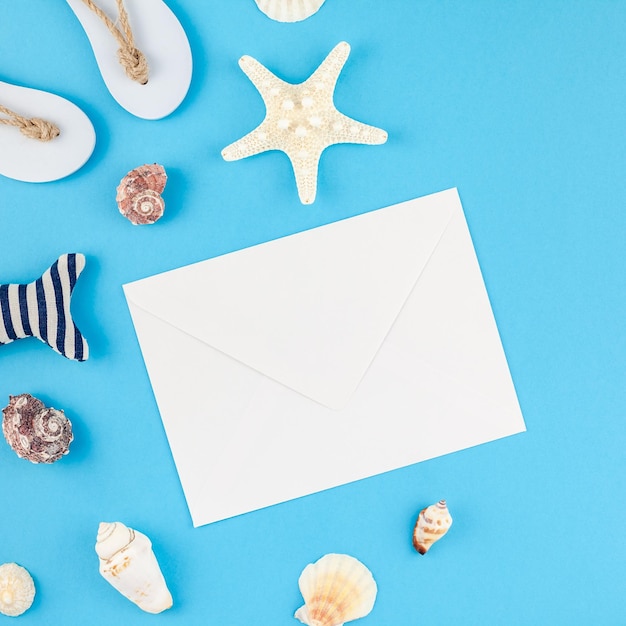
42, 309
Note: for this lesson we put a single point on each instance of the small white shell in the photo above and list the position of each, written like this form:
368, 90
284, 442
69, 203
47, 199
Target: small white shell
128, 563
17, 590
289, 10
336, 589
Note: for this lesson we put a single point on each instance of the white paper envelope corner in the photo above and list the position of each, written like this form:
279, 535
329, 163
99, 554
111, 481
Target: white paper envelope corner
369, 342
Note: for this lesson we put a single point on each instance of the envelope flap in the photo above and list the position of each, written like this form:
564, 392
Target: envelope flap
312, 309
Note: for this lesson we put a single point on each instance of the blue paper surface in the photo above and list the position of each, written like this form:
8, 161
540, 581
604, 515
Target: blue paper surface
522, 107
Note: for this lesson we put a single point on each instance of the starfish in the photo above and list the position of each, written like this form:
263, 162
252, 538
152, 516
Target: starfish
301, 120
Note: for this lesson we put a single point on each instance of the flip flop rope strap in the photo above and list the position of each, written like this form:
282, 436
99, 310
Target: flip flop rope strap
32, 127
132, 59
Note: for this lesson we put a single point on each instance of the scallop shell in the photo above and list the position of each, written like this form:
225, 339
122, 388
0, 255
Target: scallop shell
36, 433
128, 563
432, 524
17, 590
289, 10
139, 194
336, 589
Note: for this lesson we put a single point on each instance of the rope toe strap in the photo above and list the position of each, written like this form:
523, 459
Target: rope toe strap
131, 58
134, 63
33, 128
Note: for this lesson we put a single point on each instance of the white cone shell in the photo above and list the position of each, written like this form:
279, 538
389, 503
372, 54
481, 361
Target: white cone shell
336, 589
289, 10
128, 563
17, 590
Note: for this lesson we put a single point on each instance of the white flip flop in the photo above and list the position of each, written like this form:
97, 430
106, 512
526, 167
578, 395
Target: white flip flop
160, 37
33, 161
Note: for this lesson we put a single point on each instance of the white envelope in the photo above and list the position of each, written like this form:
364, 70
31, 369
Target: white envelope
324, 357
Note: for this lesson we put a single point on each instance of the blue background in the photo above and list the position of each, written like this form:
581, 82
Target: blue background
522, 106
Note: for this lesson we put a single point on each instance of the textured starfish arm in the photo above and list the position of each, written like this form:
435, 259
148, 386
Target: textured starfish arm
324, 79
267, 84
346, 130
305, 166
254, 142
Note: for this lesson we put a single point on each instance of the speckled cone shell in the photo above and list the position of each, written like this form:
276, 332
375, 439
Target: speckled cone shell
17, 590
128, 563
432, 524
36, 433
336, 589
289, 10
139, 194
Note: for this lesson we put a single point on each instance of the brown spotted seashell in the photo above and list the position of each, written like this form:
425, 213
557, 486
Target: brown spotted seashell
432, 524
35, 432
139, 194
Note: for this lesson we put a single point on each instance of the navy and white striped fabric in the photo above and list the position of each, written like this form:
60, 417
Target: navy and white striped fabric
42, 309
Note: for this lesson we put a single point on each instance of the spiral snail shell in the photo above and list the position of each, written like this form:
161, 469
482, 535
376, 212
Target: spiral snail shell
139, 194
36, 433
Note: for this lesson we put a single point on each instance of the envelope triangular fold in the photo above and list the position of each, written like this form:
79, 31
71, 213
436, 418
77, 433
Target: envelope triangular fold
309, 310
